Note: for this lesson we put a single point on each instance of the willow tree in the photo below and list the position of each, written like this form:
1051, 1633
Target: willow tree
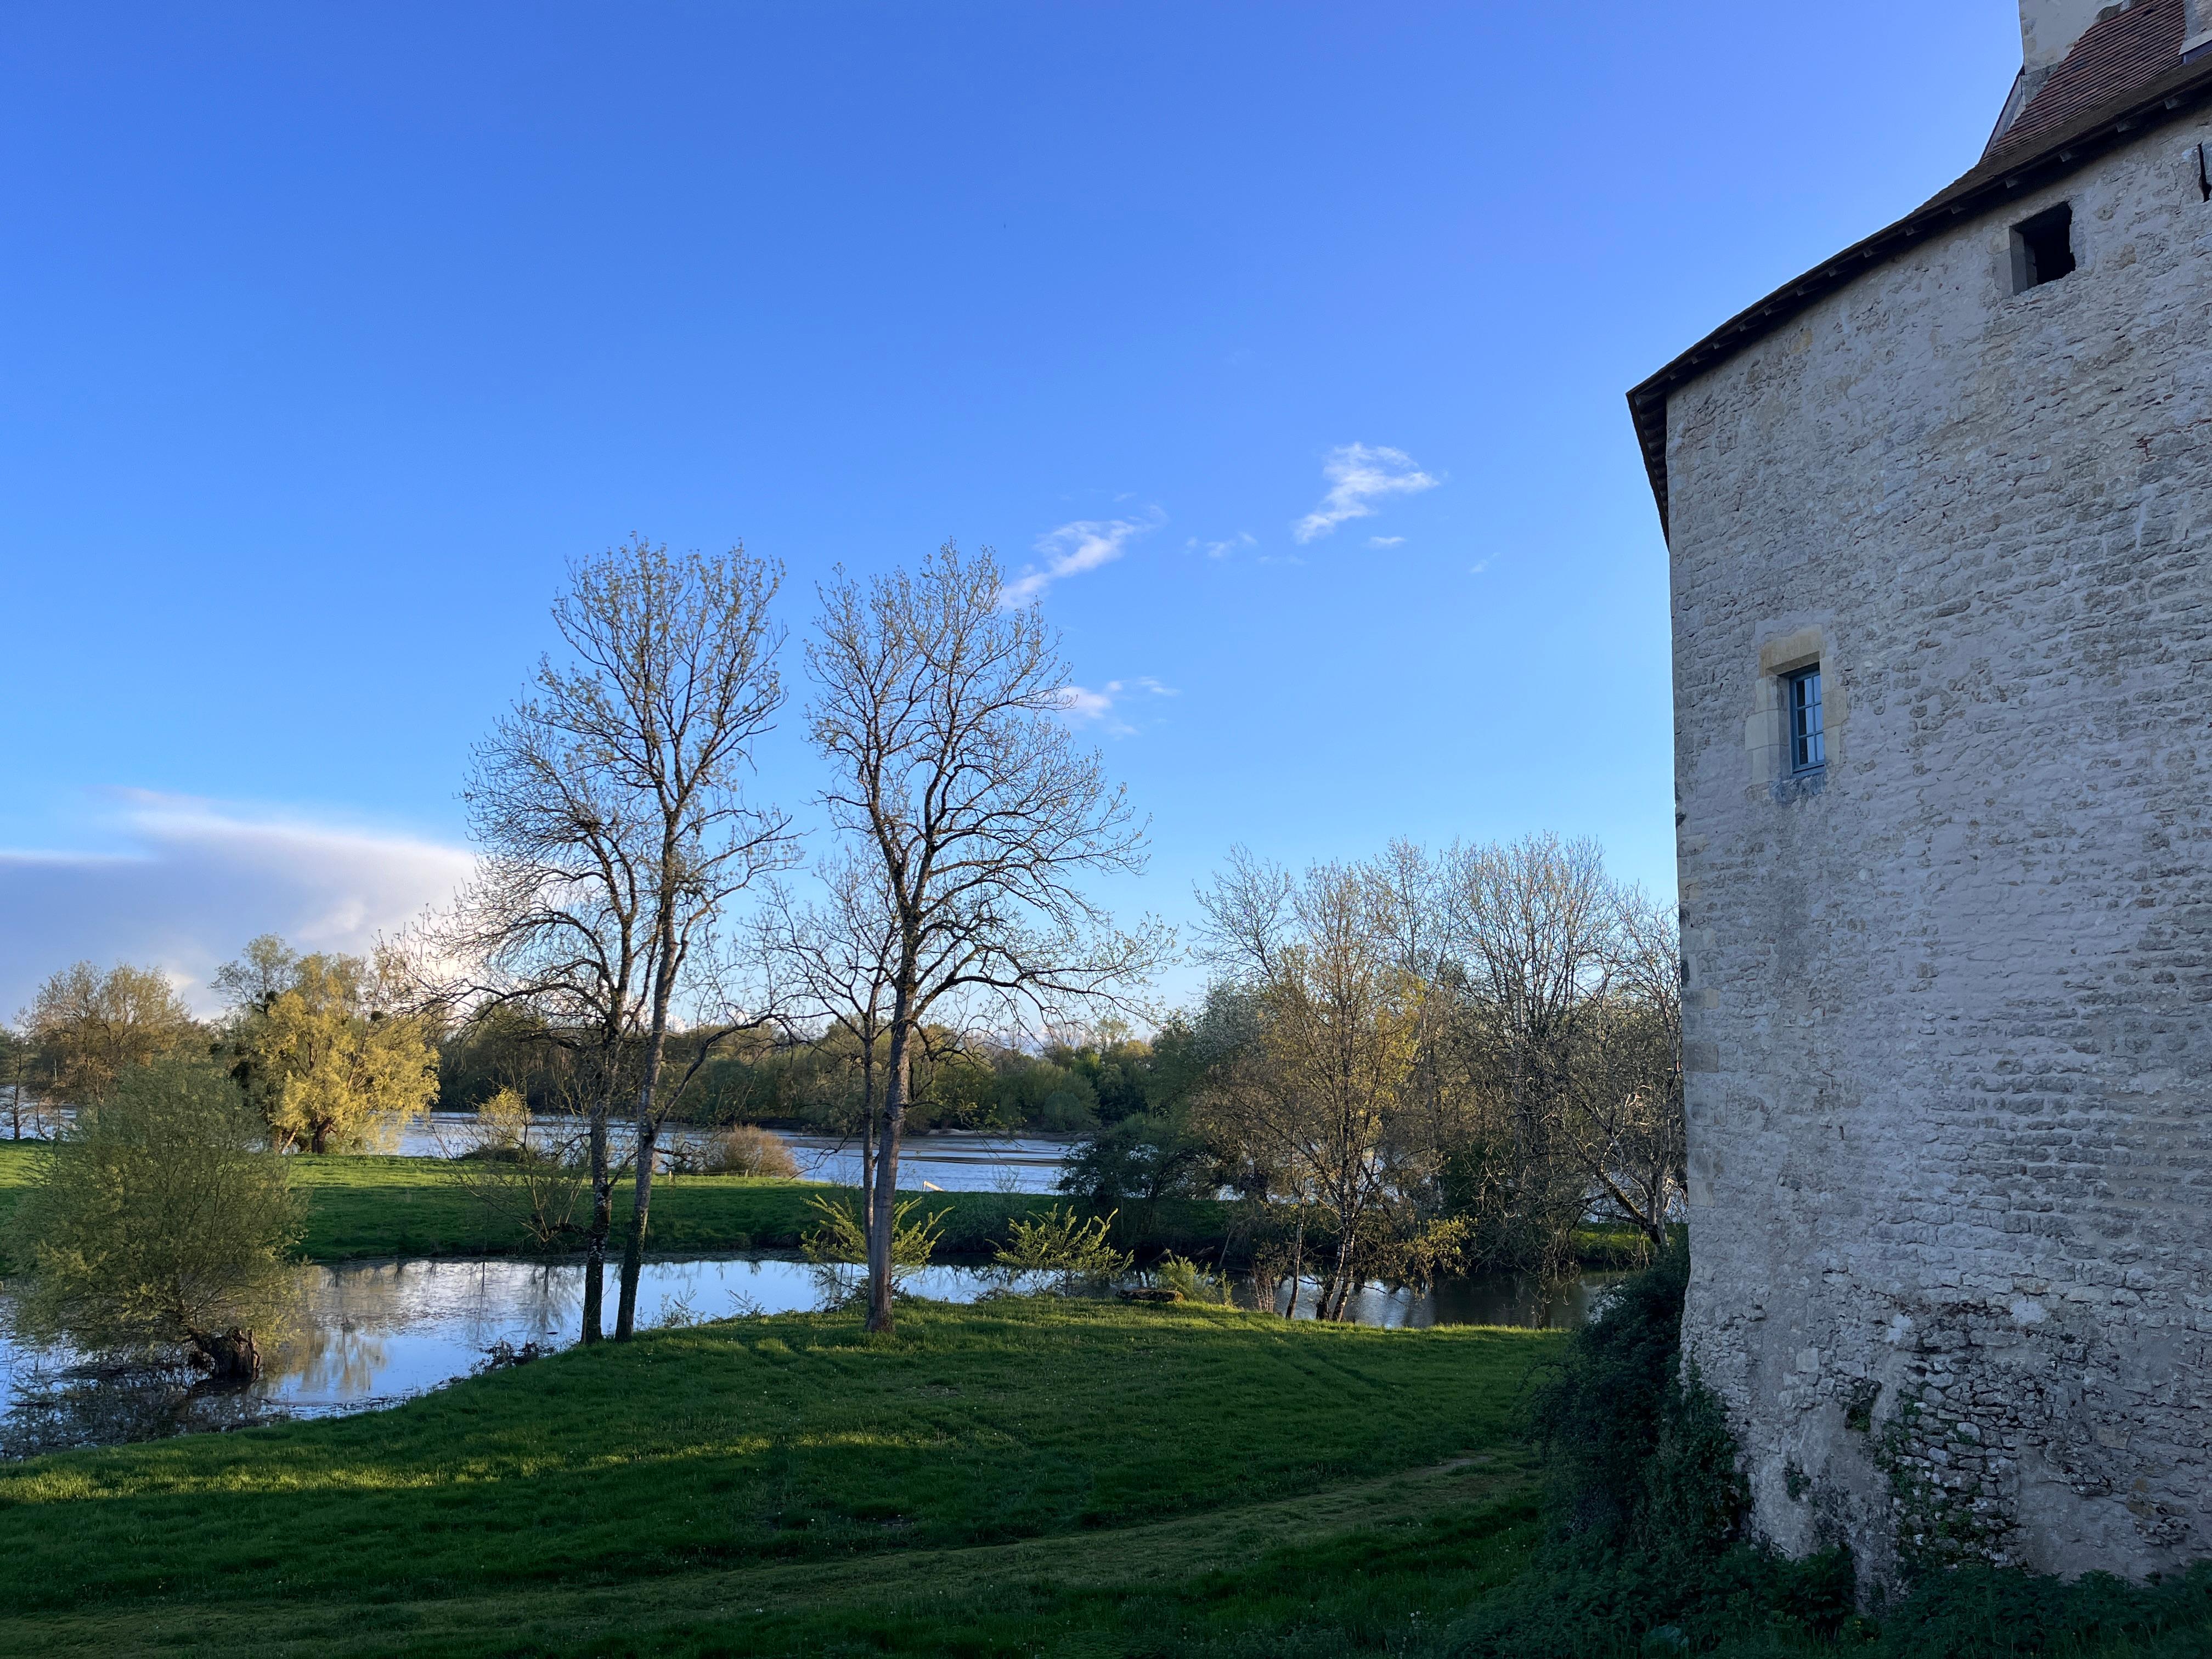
614, 832
86, 1028
327, 1046
161, 1218
940, 707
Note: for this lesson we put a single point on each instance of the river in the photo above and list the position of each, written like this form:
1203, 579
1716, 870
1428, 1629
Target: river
951, 1161
376, 1333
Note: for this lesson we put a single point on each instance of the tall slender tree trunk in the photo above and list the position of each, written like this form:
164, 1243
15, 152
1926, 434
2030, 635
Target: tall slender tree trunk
648, 1139
1347, 1278
868, 1138
633, 1262
886, 1193
595, 1238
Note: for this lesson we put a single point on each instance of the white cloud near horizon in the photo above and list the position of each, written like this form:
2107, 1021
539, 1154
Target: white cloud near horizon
1083, 707
1386, 540
1360, 475
199, 880
1074, 548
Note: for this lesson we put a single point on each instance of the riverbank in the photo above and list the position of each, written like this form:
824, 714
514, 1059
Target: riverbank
1014, 1477
363, 1206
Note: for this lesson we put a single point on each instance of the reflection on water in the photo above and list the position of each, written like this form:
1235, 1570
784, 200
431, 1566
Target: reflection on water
1521, 1299
376, 1332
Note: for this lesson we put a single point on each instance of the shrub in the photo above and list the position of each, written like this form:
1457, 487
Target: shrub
1063, 1243
161, 1219
841, 1235
745, 1150
1630, 1448
1978, 1611
520, 1185
1190, 1281
1143, 1159
1644, 1497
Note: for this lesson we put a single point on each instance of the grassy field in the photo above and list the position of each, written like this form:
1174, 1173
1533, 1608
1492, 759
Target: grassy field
1022, 1477
361, 1206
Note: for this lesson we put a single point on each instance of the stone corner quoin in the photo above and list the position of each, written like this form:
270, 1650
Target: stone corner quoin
1948, 991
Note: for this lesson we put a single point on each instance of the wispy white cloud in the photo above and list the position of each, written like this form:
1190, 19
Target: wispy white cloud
197, 880
1478, 567
1084, 707
1241, 539
1386, 540
1073, 549
1360, 475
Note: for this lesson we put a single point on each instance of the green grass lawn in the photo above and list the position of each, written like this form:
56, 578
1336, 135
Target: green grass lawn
360, 1205
1020, 1477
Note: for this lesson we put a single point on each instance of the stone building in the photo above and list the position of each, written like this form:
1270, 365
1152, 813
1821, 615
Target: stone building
1940, 517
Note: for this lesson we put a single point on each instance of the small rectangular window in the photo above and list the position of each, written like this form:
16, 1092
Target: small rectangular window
1808, 747
2043, 248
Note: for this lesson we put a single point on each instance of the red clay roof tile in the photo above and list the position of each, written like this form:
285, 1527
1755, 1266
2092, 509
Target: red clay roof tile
2114, 57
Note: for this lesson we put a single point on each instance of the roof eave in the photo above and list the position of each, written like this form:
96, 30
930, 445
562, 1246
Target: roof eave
1991, 183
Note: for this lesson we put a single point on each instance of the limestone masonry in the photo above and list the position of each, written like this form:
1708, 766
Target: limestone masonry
1948, 985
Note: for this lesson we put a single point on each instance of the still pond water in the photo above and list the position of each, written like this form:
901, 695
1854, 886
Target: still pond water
378, 1332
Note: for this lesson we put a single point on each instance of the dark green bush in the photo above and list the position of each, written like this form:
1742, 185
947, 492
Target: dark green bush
1613, 1406
1989, 1613
1645, 1499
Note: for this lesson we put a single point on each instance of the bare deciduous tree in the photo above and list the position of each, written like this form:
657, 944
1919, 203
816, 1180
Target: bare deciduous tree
1625, 1103
614, 832
25, 1113
1532, 930
939, 707
835, 961
1446, 1058
1324, 1083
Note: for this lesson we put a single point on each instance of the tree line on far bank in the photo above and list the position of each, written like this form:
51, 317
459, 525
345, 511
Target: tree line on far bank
88, 1025
324, 1047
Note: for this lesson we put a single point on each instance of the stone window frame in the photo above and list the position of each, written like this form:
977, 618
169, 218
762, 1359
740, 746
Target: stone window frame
1766, 731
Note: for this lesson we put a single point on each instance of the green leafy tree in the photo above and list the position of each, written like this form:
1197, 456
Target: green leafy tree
331, 1067
161, 1218
89, 1027
1143, 1159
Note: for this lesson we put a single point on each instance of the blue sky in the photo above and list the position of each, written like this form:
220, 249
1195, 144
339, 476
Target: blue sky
332, 333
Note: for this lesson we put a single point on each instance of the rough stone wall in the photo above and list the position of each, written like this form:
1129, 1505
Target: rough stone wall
1950, 1088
